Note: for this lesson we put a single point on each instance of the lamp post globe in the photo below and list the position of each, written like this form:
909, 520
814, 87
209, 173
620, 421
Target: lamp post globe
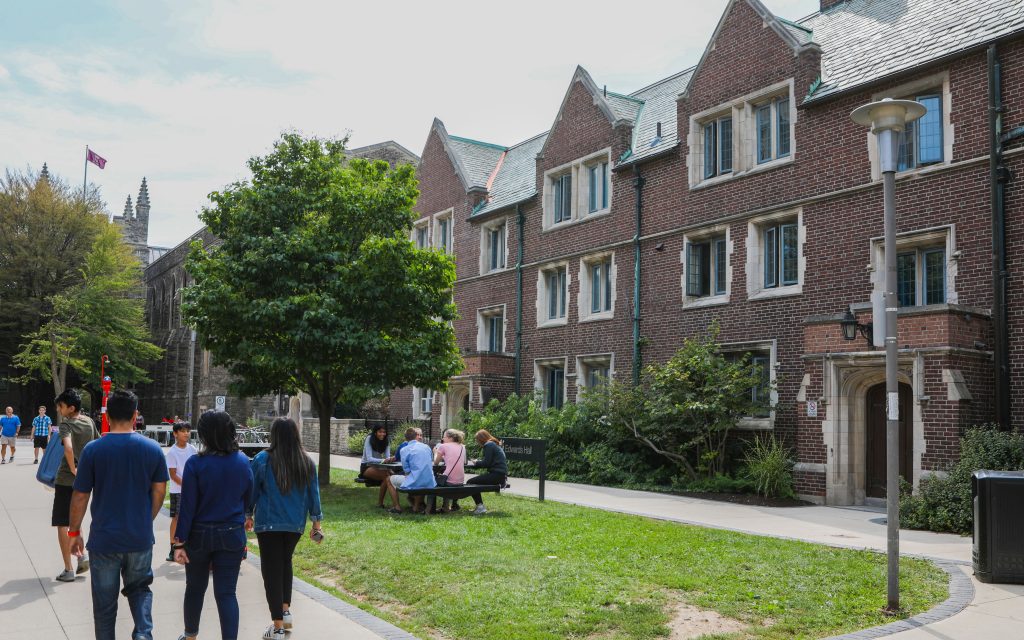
887, 119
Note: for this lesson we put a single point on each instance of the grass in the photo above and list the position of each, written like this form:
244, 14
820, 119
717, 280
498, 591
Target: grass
533, 571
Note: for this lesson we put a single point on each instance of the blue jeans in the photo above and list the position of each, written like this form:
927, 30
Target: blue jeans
219, 546
136, 569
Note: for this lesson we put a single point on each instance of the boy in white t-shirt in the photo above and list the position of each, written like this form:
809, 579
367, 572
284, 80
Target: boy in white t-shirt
177, 455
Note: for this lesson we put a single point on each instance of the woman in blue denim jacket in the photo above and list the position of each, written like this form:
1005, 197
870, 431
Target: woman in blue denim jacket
216, 493
286, 493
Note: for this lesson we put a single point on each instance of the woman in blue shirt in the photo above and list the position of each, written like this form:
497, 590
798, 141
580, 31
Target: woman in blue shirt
284, 494
216, 493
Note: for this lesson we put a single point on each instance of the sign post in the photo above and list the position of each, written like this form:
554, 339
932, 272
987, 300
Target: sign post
528, 450
220, 403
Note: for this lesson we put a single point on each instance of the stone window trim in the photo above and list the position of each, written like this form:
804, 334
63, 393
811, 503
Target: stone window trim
541, 366
755, 255
578, 170
584, 297
941, 236
422, 223
586, 362
483, 316
446, 244
418, 397
700, 235
769, 348
485, 245
938, 81
742, 110
542, 294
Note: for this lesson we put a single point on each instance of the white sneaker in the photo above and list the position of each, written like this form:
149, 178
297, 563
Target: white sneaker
480, 510
287, 618
274, 634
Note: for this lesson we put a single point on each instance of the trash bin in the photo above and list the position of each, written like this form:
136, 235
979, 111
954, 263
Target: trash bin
998, 525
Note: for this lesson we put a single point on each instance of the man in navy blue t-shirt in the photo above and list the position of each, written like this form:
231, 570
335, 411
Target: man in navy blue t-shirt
127, 477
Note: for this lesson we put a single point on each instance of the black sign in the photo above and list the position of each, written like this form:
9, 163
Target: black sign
524, 449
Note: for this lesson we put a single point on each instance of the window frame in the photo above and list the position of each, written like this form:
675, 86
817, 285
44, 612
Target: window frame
576, 176
922, 289
587, 364
933, 85
487, 235
544, 371
770, 268
716, 242
444, 231
768, 350
485, 319
419, 397
546, 276
606, 288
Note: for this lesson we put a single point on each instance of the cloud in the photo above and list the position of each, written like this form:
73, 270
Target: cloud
4, 73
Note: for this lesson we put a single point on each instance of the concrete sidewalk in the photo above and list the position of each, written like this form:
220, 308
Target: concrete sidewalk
33, 606
994, 611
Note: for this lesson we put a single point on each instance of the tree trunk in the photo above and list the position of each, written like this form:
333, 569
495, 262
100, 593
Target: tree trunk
324, 471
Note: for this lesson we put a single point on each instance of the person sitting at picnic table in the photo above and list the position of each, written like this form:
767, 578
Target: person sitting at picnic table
398, 451
452, 452
417, 463
495, 463
376, 450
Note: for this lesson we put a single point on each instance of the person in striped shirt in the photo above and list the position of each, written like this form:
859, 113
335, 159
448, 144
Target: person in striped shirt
41, 431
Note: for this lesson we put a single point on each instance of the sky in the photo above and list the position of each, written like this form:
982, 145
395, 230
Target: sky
183, 92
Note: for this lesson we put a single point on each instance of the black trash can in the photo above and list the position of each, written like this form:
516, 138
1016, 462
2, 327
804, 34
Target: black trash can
998, 526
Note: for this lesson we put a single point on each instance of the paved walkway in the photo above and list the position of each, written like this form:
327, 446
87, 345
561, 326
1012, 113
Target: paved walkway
994, 611
33, 606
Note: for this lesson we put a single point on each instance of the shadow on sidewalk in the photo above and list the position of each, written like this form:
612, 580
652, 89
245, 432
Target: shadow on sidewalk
17, 593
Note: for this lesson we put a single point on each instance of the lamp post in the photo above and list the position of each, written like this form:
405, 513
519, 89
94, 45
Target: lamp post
105, 385
887, 118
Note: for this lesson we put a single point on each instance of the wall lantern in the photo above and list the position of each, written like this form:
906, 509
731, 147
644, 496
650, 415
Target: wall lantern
851, 326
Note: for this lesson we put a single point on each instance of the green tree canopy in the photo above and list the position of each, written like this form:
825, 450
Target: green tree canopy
101, 315
316, 285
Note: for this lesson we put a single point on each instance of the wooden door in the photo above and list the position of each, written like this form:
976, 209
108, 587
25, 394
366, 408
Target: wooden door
875, 482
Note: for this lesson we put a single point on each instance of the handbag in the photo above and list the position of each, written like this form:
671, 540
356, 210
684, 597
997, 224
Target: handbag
48, 466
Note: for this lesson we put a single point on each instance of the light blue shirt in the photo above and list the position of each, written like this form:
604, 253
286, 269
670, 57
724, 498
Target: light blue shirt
418, 464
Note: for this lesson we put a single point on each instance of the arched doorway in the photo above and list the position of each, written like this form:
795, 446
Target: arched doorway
875, 481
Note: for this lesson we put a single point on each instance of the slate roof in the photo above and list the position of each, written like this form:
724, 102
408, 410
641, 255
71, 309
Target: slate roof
624, 107
516, 179
866, 40
478, 159
659, 106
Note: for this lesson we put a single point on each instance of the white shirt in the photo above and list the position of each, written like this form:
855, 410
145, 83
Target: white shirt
176, 458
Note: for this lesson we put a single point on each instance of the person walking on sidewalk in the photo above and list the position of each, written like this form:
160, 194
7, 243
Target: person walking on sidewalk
76, 431
216, 493
125, 474
9, 426
41, 432
177, 455
285, 493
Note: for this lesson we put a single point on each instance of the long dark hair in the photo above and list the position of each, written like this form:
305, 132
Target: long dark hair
291, 466
378, 445
217, 433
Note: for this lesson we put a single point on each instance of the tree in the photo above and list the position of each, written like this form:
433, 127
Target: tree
316, 284
686, 408
46, 229
102, 315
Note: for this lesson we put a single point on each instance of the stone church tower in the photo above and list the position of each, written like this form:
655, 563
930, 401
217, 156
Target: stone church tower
134, 224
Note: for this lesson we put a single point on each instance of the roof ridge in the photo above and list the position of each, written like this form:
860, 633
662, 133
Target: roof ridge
664, 80
530, 139
795, 25
477, 142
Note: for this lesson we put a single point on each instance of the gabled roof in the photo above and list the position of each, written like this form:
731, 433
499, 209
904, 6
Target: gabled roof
798, 39
374, 150
866, 40
617, 108
516, 178
469, 158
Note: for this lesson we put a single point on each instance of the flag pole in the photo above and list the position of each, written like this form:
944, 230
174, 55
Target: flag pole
85, 178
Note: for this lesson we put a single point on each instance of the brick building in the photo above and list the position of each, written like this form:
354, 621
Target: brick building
186, 381
739, 191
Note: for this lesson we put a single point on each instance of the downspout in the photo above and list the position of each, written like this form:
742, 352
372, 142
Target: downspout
520, 221
998, 176
638, 185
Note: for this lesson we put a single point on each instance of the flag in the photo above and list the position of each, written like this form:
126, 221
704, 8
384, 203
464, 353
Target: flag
95, 158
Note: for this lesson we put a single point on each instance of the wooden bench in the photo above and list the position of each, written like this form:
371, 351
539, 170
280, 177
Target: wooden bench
454, 493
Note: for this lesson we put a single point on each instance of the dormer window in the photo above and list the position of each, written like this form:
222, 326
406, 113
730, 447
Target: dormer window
578, 190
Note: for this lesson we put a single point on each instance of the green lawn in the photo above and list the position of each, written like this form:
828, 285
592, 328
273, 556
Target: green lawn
529, 570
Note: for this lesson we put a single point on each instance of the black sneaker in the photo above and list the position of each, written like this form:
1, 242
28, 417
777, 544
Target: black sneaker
170, 556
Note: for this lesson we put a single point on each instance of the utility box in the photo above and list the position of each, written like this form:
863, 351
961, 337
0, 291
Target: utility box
998, 526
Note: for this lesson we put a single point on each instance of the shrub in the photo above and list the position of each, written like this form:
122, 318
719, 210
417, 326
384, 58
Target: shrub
355, 442
943, 503
769, 467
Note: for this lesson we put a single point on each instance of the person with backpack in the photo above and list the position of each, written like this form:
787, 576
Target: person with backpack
285, 494
125, 475
76, 430
216, 493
